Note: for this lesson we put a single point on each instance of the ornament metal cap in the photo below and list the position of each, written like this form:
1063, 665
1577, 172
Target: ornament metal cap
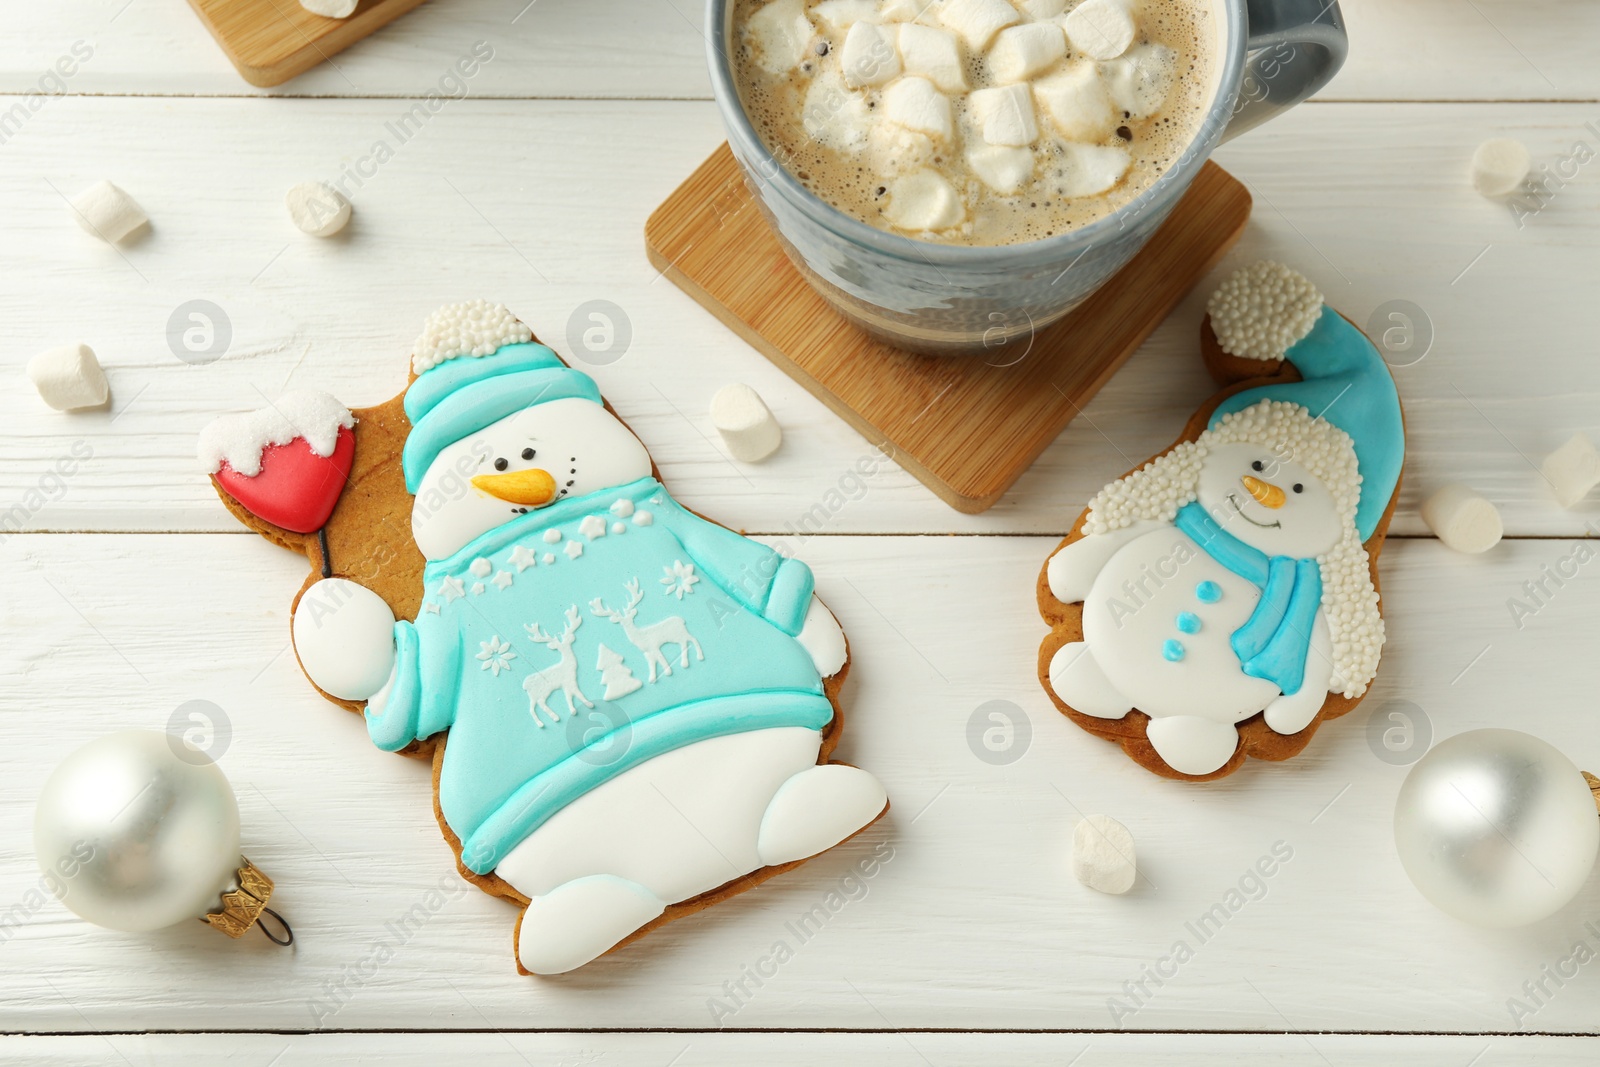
1594, 786
244, 902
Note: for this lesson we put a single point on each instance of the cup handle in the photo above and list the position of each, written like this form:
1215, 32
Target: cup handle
1294, 48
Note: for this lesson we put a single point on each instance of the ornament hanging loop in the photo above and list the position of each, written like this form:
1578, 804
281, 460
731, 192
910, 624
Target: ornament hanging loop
266, 928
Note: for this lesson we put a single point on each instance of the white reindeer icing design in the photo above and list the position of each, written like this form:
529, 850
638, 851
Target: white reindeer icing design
562, 676
649, 639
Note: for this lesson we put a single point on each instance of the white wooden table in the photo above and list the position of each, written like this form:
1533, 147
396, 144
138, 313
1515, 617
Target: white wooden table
130, 590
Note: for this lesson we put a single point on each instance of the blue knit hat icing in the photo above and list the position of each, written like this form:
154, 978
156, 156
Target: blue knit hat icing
1347, 383
461, 396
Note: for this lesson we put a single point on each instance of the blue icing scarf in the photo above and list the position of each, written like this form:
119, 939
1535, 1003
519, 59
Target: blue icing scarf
1274, 642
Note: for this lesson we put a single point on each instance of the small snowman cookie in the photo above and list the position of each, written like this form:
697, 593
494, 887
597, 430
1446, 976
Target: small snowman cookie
629, 708
1222, 600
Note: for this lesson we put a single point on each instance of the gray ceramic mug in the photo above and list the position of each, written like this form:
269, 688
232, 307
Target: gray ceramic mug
951, 299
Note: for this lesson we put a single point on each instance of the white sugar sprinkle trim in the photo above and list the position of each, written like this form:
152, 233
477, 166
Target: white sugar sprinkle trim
1158, 489
1260, 311
239, 440
476, 328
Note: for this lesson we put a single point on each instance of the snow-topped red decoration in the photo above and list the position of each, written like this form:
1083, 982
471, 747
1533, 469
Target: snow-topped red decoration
1157, 490
285, 463
475, 328
1260, 311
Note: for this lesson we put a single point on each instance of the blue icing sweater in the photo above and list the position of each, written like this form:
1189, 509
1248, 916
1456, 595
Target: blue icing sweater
667, 630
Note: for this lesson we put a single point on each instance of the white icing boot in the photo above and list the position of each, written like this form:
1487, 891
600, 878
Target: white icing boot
1078, 680
1192, 745
816, 809
580, 920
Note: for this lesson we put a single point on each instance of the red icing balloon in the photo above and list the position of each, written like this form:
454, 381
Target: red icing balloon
296, 489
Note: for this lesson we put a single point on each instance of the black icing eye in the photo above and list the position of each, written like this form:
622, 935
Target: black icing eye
1299, 488
527, 453
1258, 466
501, 464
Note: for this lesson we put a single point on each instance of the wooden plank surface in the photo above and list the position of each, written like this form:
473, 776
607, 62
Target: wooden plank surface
533, 193
996, 411
796, 1050
1508, 377
975, 921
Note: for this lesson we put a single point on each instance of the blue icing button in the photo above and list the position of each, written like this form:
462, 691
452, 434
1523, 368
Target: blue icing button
1171, 651
1188, 622
1208, 592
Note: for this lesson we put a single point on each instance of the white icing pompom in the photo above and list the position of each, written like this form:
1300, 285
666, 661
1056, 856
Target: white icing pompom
1102, 854
317, 208
1260, 311
1500, 166
69, 378
239, 440
476, 328
107, 212
748, 429
1462, 519
1572, 470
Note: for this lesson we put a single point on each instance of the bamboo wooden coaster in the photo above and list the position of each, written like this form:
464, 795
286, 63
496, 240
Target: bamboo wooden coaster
965, 427
271, 41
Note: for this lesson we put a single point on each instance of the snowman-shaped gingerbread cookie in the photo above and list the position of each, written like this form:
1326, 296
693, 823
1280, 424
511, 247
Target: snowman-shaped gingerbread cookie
629, 707
1221, 601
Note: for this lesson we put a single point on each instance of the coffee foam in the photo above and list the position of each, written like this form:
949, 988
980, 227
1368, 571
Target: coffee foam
836, 141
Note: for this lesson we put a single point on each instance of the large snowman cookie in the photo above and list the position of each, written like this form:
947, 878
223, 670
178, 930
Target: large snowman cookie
629, 708
1222, 600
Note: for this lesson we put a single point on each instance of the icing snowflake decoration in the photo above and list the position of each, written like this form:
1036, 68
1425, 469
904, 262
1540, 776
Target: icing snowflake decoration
1157, 490
679, 579
476, 328
495, 655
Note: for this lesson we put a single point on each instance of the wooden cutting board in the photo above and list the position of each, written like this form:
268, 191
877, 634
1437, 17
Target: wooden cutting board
271, 41
967, 426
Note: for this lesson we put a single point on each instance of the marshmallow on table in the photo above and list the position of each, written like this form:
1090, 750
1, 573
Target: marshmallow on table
1462, 520
1500, 166
1005, 115
1003, 169
107, 212
1020, 52
917, 104
317, 208
748, 429
1077, 101
333, 9
977, 21
69, 378
922, 200
1102, 854
780, 32
869, 55
1100, 29
1089, 170
1572, 470
934, 54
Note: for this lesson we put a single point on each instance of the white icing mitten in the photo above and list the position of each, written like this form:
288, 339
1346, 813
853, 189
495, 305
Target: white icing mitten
344, 636
822, 636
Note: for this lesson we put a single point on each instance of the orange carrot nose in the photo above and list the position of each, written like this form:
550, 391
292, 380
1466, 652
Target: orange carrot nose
1266, 494
532, 488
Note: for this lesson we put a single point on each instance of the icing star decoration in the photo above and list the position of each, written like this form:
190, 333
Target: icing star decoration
679, 578
495, 655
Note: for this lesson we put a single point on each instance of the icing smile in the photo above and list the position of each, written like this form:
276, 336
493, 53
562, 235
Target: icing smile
1264, 525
